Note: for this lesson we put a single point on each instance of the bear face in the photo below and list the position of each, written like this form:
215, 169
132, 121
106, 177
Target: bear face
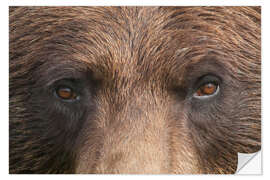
133, 89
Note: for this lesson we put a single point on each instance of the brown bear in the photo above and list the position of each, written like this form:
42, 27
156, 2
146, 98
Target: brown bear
133, 90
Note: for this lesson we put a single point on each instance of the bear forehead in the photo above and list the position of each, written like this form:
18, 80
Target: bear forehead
132, 40
125, 38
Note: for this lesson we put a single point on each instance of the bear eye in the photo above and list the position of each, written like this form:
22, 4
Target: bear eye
206, 90
66, 93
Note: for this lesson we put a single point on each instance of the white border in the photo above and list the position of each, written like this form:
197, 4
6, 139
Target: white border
4, 75
4, 88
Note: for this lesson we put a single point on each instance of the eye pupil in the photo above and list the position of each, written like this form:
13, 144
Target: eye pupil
209, 88
66, 93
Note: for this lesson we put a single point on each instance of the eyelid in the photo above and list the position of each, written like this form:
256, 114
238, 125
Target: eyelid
69, 80
205, 79
209, 78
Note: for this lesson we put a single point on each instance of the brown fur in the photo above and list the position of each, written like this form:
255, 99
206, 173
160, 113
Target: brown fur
137, 67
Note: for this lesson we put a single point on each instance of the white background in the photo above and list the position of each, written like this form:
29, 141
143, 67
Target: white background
265, 80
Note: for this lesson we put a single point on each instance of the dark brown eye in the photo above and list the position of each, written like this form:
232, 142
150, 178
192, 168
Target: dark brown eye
207, 89
66, 93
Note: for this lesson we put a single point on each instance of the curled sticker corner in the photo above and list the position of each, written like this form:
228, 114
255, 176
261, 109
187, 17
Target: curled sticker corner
249, 163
